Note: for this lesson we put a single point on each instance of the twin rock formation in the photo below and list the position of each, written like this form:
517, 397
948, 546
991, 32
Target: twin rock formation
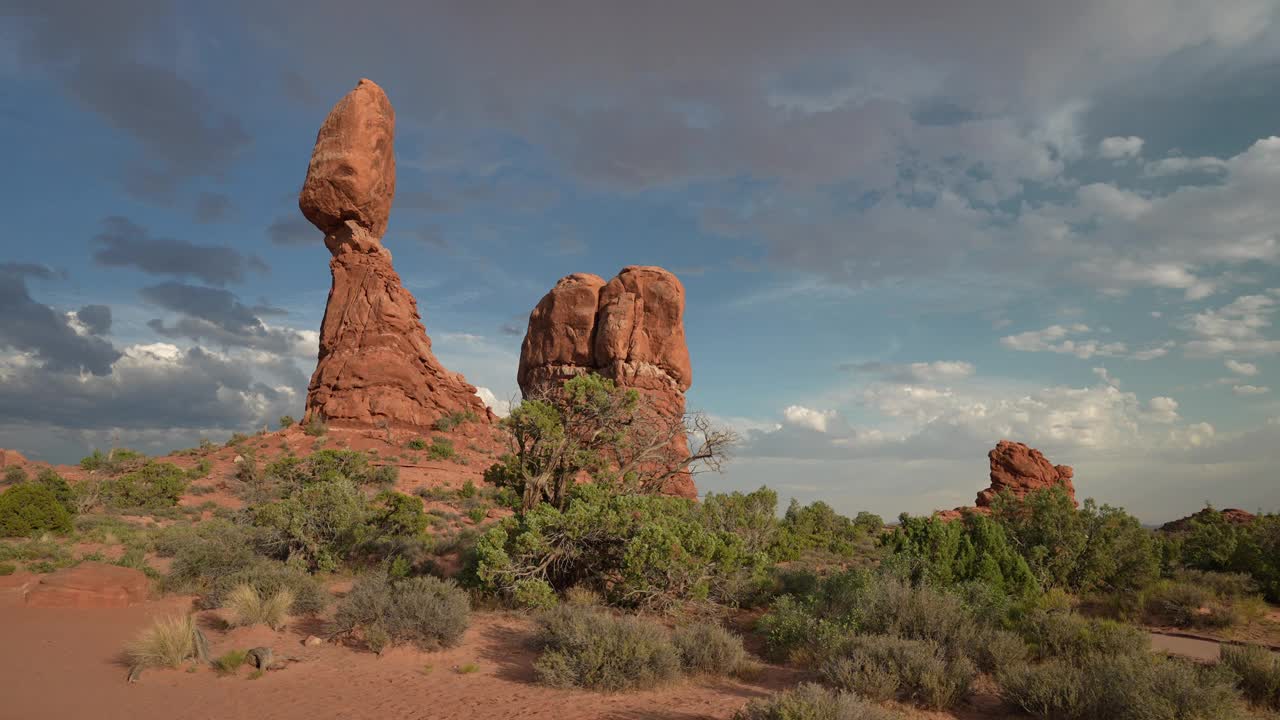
376, 366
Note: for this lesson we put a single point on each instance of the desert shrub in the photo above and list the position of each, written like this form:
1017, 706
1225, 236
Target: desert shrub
793, 632
1080, 550
230, 661
320, 524
533, 593
14, 475
60, 488
287, 421
750, 516
7, 568
1258, 670
116, 461
1135, 686
441, 449
426, 611
315, 427
168, 642
583, 597
814, 702
1073, 637
468, 489
454, 419
885, 666
1185, 604
248, 607
819, 527
270, 578
31, 508
153, 486
973, 548
589, 648
416, 444
707, 648
636, 550
397, 515
329, 465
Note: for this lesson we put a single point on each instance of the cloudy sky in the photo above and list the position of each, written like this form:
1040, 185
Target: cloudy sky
907, 229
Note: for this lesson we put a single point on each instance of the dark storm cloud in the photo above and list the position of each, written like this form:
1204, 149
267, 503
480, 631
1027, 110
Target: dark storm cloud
294, 230
212, 207
29, 326
123, 243
95, 318
93, 50
215, 315
148, 391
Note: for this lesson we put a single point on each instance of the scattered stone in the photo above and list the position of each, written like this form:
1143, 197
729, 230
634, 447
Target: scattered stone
261, 658
312, 641
90, 585
375, 367
630, 329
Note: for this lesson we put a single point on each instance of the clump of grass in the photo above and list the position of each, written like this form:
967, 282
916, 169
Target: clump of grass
454, 419
230, 662
708, 648
441, 449
315, 427
468, 668
248, 607
582, 597
477, 515
1259, 673
417, 444
814, 702
167, 643
590, 648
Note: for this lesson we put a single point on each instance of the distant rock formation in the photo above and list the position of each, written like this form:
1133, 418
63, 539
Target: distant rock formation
375, 364
630, 329
1233, 516
1020, 470
11, 457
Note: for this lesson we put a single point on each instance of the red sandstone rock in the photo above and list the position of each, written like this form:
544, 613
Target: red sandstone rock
375, 364
11, 457
352, 175
630, 329
1020, 470
1232, 516
90, 585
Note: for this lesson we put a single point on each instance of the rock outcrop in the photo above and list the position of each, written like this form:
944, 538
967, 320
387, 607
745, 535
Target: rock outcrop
629, 329
375, 365
1020, 470
90, 585
1232, 516
11, 457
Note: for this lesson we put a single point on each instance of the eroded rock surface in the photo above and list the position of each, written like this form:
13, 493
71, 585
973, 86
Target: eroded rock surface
90, 585
1020, 470
629, 329
375, 364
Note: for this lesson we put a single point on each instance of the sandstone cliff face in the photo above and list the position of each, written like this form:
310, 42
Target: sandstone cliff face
375, 364
629, 329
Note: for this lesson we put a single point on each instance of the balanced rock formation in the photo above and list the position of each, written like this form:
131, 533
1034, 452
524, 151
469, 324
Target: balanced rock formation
376, 365
1232, 516
90, 585
1020, 470
629, 329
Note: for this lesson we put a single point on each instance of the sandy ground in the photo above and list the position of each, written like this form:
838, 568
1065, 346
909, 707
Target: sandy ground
65, 664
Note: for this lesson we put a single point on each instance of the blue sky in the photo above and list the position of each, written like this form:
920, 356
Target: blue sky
906, 229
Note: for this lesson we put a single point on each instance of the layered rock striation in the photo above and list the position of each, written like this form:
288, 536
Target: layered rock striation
375, 364
629, 329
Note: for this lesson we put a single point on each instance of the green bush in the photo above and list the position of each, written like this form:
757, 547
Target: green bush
1069, 636
315, 427
32, 508
427, 612
116, 461
885, 666
814, 702
1258, 670
534, 594
1136, 686
417, 444
60, 488
974, 548
287, 421
709, 649
819, 527
590, 648
153, 486
441, 449
319, 524
454, 419
14, 475
636, 550
7, 568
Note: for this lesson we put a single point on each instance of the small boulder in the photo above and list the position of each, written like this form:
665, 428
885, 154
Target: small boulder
312, 641
261, 658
